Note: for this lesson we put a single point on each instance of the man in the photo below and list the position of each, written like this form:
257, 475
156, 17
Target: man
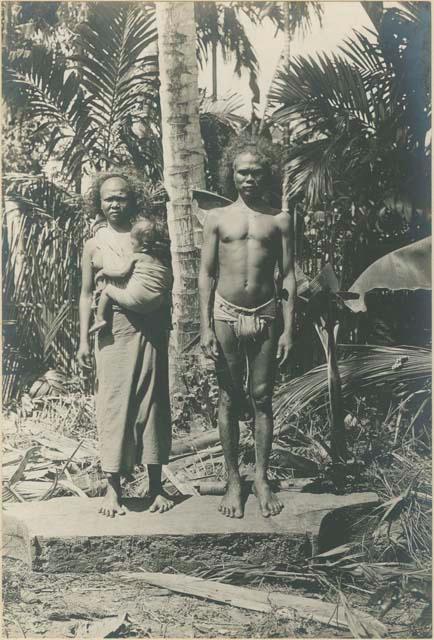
242, 245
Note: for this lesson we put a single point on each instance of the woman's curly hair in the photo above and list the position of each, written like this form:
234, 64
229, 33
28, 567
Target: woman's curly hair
145, 199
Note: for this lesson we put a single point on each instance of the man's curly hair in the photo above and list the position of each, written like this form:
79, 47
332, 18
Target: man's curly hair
145, 199
269, 154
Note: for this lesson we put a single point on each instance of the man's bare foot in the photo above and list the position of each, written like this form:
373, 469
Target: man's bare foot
231, 505
269, 503
111, 505
161, 503
98, 324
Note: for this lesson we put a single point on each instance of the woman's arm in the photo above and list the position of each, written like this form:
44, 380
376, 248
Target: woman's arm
85, 305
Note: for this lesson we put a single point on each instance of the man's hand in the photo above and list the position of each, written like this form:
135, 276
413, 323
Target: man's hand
208, 342
284, 348
84, 357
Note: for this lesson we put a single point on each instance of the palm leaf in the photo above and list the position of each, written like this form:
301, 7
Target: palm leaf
219, 23
354, 107
42, 302
117, 70
367, 368
52, 96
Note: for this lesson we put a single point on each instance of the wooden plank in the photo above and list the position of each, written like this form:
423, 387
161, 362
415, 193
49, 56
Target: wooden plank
281, 604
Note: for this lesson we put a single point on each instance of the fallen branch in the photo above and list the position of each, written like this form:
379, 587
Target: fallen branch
192, 445
282, 604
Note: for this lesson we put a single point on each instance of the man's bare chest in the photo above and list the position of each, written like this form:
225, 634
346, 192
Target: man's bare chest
254, 227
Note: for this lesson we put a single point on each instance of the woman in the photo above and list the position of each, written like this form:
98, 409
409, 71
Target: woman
132, 396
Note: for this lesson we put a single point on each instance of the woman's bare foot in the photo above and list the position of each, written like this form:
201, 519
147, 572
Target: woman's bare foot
160, 500
161, 503
98, 324
231, 505
111, 505
269, 503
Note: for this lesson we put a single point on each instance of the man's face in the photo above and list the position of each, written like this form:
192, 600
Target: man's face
249, 176
115, 200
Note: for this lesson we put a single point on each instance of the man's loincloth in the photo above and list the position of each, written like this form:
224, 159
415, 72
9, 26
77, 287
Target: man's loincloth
246, 323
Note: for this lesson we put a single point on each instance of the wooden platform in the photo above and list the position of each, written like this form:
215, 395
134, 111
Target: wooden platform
68, 534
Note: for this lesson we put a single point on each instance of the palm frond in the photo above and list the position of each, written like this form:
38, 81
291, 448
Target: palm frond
223, 110
45, 90
366, 368
41, 298
219, 23
118, 69
365, 110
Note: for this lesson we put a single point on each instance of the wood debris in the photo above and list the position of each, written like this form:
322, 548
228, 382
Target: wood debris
284, 605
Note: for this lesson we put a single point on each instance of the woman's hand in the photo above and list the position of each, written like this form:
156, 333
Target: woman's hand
84, 357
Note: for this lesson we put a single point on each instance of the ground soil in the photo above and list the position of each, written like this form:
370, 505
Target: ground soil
61, 605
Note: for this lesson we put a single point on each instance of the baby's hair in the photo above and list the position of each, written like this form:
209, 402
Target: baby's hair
153, 238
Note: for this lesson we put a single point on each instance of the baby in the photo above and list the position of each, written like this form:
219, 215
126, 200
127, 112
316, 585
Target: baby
150, 279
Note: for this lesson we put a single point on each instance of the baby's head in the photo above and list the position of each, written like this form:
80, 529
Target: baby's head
150, 237
142, 234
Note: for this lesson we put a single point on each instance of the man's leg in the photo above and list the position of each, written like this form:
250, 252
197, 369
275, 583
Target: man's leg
160, 501
112, 500
262, 370
229, 371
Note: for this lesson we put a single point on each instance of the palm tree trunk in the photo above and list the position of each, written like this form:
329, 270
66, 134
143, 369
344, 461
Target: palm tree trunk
183, 164
214, 71
287, 32
286, 61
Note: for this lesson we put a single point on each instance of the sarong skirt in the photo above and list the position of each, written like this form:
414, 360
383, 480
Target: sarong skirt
132, 397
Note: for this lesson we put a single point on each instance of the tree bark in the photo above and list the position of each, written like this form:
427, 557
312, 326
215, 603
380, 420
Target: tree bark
183, 165
287, 32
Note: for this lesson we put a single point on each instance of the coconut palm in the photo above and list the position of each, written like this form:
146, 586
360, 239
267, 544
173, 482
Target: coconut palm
219, 27
360, 118
183, 161
101, 105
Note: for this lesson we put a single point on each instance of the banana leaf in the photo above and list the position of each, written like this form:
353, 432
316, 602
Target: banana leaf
406, 268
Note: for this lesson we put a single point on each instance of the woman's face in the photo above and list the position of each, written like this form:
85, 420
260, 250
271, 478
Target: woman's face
115, 201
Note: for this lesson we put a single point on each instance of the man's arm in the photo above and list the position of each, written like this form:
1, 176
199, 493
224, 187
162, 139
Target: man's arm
207, 276
289, 287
